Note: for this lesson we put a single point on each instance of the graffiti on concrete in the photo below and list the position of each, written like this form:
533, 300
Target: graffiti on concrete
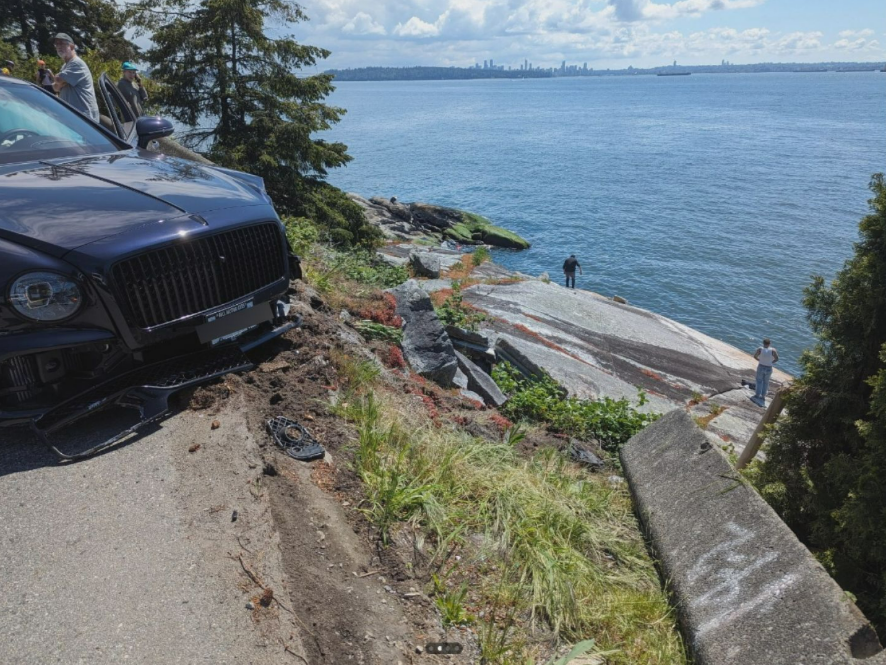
721, 576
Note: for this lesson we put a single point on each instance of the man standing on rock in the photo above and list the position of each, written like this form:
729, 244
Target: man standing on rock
569, 266
767, 356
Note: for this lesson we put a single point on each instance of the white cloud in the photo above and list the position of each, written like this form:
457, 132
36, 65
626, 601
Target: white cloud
416, 28
639, 10
857, 40
849, 34
605, 33
363, 24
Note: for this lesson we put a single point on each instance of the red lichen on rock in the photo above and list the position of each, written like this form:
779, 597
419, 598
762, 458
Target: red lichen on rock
651, 374
556, 347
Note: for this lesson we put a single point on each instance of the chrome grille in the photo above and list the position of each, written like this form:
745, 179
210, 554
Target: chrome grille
192, 276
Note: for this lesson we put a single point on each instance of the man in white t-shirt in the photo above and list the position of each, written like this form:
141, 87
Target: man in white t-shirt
767, 356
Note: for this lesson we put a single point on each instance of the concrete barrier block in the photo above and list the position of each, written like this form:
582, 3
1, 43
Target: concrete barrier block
746, 590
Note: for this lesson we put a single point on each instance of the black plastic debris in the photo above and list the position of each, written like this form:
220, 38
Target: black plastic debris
585, 457
295, 440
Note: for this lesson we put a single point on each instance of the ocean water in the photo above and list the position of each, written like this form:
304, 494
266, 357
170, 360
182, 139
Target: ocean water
710, 199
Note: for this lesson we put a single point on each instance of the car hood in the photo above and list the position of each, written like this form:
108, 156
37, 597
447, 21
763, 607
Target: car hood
57, 207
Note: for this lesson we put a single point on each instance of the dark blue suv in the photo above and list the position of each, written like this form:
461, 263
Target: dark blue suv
125, 274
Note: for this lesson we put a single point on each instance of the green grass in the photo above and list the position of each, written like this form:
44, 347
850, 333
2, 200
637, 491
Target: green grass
562, 549
373, 330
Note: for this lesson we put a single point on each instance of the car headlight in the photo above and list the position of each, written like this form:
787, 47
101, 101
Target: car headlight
45, 296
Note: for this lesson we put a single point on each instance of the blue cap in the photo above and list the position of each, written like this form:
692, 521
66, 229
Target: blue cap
129, 67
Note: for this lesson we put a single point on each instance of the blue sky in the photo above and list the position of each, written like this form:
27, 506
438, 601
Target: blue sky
603, 33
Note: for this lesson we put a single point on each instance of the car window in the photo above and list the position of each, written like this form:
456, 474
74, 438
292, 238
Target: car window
35, 125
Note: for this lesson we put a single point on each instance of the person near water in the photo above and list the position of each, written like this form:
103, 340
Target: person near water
766, 356
44, 76
569, 266
74, 82
132, 89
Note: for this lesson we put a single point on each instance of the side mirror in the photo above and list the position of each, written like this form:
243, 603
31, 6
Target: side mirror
151, 128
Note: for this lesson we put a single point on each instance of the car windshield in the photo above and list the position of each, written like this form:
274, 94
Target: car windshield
35, 126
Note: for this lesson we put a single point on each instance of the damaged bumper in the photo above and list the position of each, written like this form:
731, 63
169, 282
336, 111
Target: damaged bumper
146, 389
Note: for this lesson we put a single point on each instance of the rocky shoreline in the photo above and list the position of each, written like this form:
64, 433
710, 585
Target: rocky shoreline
593, 346
422, 222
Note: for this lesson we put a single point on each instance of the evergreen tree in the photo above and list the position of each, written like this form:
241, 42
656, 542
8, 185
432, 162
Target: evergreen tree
96, 25
239, 92
825, 468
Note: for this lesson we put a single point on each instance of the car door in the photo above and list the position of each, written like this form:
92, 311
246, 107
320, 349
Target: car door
117, 111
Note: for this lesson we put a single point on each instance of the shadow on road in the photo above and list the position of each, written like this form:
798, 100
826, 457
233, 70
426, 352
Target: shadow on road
21, 450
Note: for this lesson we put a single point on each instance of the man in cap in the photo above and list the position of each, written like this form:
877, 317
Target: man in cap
130, 86
74, 82
7, 68
44, 76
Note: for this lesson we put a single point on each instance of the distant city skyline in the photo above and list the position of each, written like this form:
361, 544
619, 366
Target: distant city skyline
604, 33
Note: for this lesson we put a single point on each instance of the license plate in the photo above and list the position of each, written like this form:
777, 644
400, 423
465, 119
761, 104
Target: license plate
230, 337
230, 322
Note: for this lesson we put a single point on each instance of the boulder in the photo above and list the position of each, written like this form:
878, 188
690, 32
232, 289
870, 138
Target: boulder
398, 210
460, 380
425, 264
471, 395
480, 382
471, 337
426, 345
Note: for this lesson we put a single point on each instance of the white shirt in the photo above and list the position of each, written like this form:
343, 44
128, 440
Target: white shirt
765, 358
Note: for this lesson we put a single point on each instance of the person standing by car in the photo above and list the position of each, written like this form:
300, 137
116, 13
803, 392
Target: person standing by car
8, 67
74, 82
132, 89
44, 76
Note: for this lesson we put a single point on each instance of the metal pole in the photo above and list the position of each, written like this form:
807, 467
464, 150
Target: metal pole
756, 440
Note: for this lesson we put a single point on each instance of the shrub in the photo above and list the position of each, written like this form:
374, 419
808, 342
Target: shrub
364, 266
301, 233
826, 456
455, 312
612, 422
481, 255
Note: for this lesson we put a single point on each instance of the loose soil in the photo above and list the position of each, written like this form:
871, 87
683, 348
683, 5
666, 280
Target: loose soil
354, 599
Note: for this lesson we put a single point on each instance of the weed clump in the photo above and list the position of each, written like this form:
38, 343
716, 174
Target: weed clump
454, 311
541, 400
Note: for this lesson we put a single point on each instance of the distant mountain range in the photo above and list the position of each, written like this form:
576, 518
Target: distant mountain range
456, 73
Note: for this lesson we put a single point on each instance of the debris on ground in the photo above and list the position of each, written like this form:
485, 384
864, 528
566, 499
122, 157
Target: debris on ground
587, 458
295, 439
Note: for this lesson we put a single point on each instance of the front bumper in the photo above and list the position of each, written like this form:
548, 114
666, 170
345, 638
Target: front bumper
146, 389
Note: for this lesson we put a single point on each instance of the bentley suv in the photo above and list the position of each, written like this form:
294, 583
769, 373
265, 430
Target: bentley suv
125, 274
